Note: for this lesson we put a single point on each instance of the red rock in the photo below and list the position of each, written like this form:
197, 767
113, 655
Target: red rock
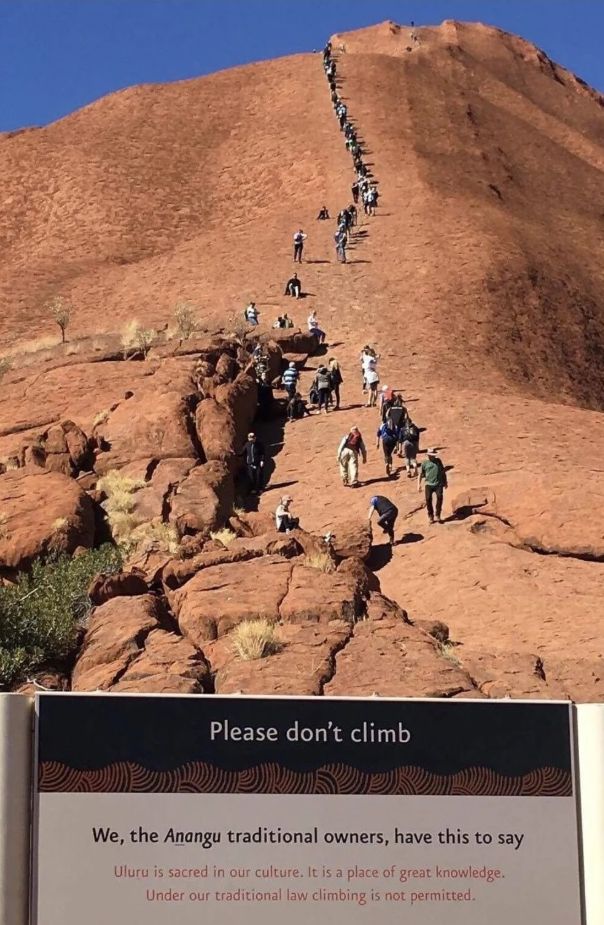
204, 499
41, 512
352, 538
121, 584
169, 664
216, 430
314, 596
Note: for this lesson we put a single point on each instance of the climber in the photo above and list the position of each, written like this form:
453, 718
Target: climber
390, 437
289, 379
335, 375
372, 381
368, 360
386, 401
348, 456
341, 240
410, 445
296, 407
280, 322
396, 414
283, 519
355, 191
251, 314
253, 455
265, 396
313, 327
299, 239
352, 211
287, 322
387, 513
293, 286
322, 384
323, 214
435, 476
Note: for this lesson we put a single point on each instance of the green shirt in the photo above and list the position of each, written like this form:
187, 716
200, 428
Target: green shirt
434, 473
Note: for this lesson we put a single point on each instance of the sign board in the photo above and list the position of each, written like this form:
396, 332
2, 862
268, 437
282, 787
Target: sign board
187, 809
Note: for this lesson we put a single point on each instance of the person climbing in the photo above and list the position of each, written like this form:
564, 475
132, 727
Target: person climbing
252, 314
352, 211
372, 380
435, 476
287, 322
386, 401
283, 519
355, 192
323, 214
369, 360
289, 379
322, 383
313, 327
293, 286
341, 240
387, 513
279, 323
265, 397
299, 239
396, 414
410, 446
351, 446
389, 438
296, 407
335, 375
253, 455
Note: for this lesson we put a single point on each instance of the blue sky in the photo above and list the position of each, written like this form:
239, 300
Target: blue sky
58, 55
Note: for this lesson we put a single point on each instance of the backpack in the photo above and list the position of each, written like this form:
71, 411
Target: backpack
353, 440
396, 415
411, 432
298, 238
323, 381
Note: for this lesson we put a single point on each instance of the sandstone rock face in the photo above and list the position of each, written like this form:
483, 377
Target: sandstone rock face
215, 429
220, 597
126, 649
41, 512
204, 499
320, 597
352, 539
122, 584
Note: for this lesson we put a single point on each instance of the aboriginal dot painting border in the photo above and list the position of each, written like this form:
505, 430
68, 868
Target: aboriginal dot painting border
202, 777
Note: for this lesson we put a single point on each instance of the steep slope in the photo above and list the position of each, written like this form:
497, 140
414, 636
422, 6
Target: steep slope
479, 281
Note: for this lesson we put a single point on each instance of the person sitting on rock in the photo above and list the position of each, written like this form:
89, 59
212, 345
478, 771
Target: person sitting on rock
283, 519
314, 329
251, 314
387, 513
296, 408
323, 214
351, 446
279, 323
293, 286
288, 323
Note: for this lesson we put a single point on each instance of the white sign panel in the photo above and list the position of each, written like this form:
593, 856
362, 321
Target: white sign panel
186, 809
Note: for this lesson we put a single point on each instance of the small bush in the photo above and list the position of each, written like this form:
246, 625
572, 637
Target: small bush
101, 418
60, 312
254, 639
224, 536
184, 318
39, 615
119, 504
155, 535
136, 339
322, 561
5, 365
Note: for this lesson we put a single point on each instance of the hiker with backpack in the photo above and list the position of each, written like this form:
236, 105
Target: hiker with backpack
434, 474
335, 375
293, 287
396, 413
410, 446
387, 513
351, 447
389, 438
289, 379
299, 239
386, 401
322, 384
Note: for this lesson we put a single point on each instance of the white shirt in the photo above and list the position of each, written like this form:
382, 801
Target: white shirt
312, 323
280, 513
371, 376
368, 361
299, 237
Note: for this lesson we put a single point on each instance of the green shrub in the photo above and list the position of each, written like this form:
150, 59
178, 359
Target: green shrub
39, 615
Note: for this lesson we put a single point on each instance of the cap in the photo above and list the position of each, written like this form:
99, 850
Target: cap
292, 365
384, 388
431, 451
251, 434
373, 500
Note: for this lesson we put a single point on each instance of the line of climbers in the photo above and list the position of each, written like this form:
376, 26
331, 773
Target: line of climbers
397, 434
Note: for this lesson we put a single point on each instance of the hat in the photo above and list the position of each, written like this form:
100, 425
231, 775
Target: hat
373, 500
431, 451
384, 388
292, 365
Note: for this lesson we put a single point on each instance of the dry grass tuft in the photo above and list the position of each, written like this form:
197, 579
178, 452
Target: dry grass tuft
101, 418
136, 339
119, 504
155, 535
254, 639
224, 536
322, 561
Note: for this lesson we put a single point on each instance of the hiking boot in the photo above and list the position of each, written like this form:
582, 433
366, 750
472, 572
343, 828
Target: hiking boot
430, 520
391, 536
388, 470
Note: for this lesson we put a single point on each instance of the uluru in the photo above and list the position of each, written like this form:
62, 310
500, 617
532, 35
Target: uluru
133, 234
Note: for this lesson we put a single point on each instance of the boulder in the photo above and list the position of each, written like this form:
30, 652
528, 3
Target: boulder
115, 636
216, 430
292, 340
203, 500
253, 523
503, 674
314, 596
352, 538
220, 597
240, 401
152, 502
392, 659
41, 512
168, 664
301, 666
122, 584
366, 580
379, 607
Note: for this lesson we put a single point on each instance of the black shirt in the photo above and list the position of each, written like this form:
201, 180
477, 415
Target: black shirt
253, 452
